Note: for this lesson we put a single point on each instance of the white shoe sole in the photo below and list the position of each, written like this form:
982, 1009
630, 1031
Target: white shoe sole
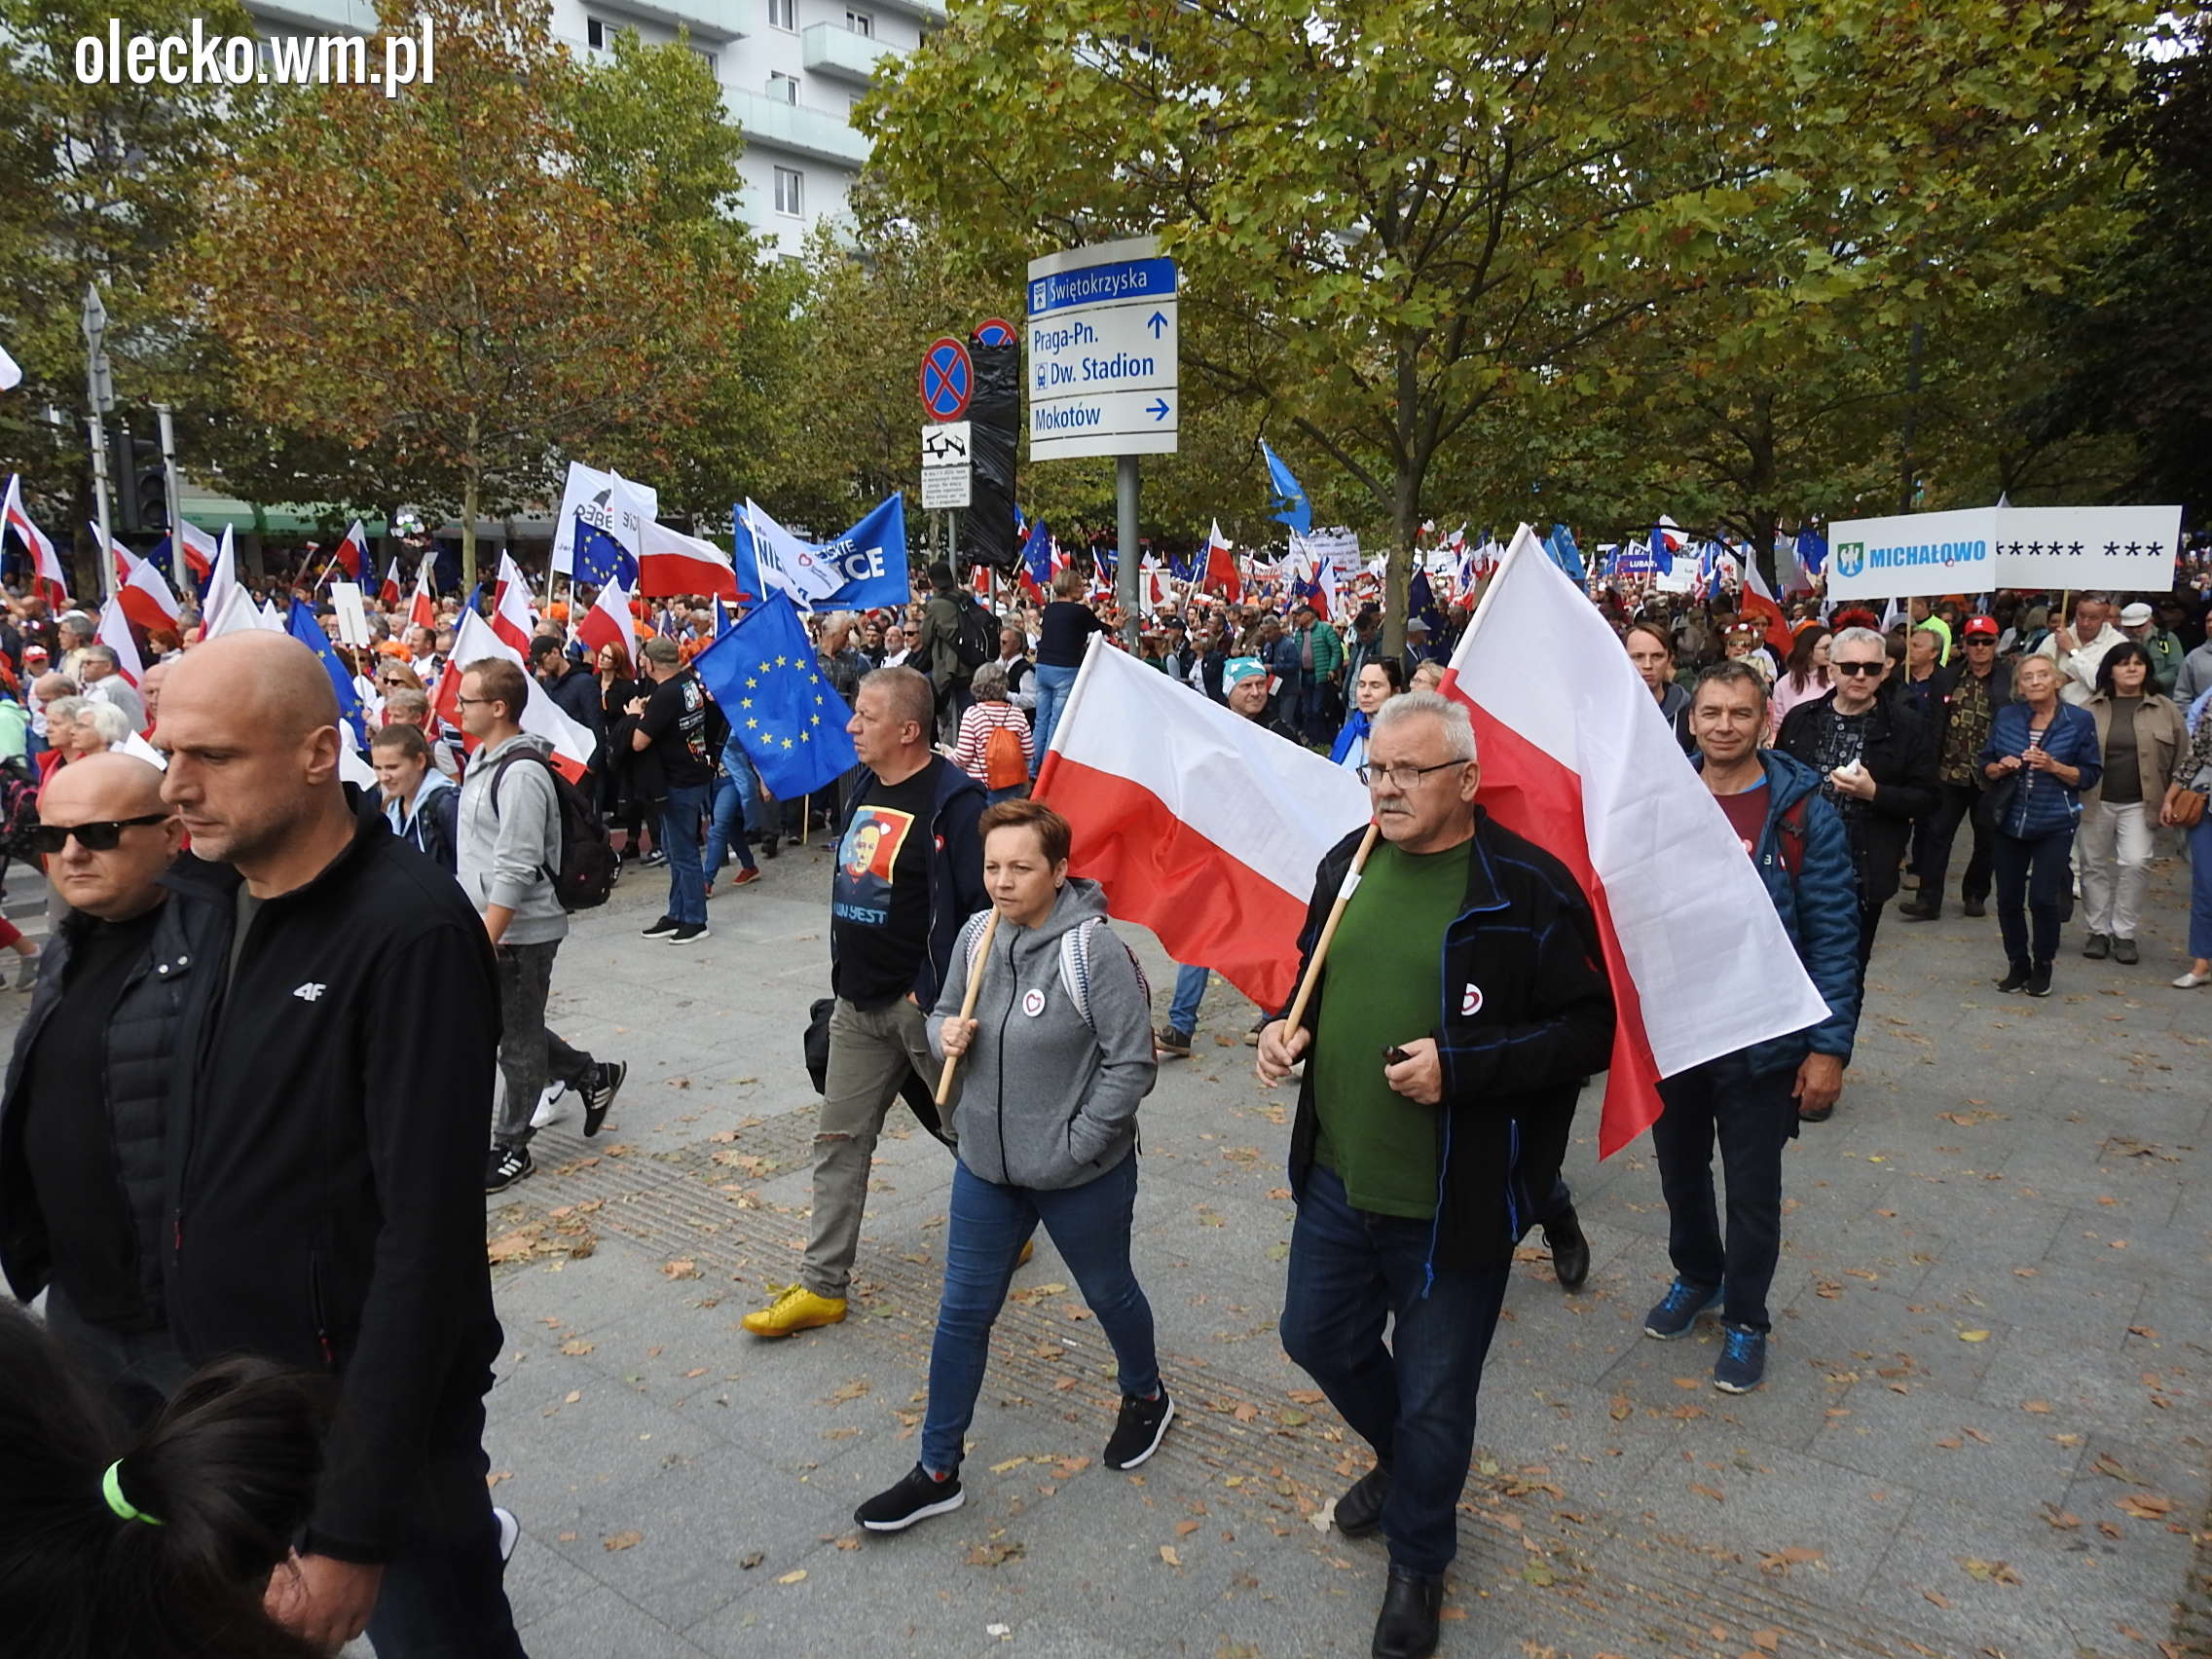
548, 1106
943, 1506
510, 1532
1158, 1434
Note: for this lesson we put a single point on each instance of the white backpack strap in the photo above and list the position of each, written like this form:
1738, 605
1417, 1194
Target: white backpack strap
971, 942
1075, 966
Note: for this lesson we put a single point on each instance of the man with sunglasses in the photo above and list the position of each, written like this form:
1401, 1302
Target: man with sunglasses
1877, 763
87, 1107
1983, 685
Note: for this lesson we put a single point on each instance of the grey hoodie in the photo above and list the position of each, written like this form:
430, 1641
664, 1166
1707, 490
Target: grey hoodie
1044, 1102
502, 857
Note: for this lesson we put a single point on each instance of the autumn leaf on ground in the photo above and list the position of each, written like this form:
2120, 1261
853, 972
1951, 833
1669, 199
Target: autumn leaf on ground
622, 1542
1167, 1554
683, 1270
1782, 1561
2144, 1506
577, 1347
794, 1577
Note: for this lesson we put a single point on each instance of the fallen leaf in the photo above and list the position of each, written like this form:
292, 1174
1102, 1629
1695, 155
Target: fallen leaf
2144, 1506
497, 1475
1973, 1336
2038, 1407
1538, 1573
2064, 1520
1167, 1554
994, 1554
1937, 1597
571, 1396
794, 1577
576, 1345
1766, 1640
1184, 1528
622, 1542
748, 1562
684, 1270
1702, 1490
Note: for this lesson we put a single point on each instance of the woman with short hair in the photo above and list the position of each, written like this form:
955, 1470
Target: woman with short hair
2141, 738
2042, 753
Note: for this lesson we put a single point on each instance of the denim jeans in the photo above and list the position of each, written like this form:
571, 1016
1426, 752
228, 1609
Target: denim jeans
2201, 889
1052, 687
1413, 1400
1755, 1116
529, 1054
1190, 991
1089, 1227
736, 805
682, 817
2036, 877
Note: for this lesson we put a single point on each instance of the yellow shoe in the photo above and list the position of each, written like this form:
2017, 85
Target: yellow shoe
1028, 1249
796, 1309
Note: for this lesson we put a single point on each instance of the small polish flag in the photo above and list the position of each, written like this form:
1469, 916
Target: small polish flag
1758, 600
473, 641
671, 562
201, 551
114, 632
387, 595
511, 618
1221, 566
147, 598
609, 623
353, 551
124, 560
422, 608
46, 561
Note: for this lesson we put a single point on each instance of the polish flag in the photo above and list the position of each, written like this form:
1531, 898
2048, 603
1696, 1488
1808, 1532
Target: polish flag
46, 561
126, 561
228, 608
473, 641
609, 623
422, 608
1221, 567
1758, 600
147, 598
671, 562
201, 551
114, 631
387, 595
511, 618
1201, 825
1576, 758
353, 551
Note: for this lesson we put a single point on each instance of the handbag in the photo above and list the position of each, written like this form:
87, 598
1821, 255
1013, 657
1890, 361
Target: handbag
2188, 808
918, 1092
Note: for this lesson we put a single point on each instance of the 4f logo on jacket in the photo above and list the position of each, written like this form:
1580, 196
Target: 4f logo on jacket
1470, 1001
310, 991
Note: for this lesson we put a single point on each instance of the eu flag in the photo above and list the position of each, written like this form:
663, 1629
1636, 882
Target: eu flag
780, 709
304, 626
601, 558
1291, 506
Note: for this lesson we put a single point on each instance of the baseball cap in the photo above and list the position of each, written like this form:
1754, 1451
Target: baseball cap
2134, 615
1237, 670
1981, 628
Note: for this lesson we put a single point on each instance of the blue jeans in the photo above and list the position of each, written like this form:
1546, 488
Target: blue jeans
1089, 1227
1414, 1401
1052, 687
682, 816
1753, 1116
1190, 991
737, 802
2032, 881
2200, 888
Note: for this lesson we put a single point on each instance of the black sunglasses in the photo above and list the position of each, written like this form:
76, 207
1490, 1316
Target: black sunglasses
50, 838
1859, 667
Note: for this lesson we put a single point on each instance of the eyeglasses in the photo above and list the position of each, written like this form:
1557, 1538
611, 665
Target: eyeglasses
461, 702
1404, 777
49, 839
1982, 640
1859, 667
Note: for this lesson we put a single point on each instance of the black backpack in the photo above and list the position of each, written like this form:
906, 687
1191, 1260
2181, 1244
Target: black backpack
588, 867
977, 641
19, 810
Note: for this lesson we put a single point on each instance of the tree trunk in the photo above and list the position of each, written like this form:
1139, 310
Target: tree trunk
471, 492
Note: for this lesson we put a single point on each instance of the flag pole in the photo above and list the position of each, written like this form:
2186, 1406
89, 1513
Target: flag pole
1350, 885
968, 1003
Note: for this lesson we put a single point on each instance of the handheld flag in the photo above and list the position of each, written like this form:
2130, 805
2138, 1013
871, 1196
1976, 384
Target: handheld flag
608, 622
572, 745
147, 598
1036, 568
11, 372
124, 559
670, 563
599, 558
201, 551
1220, 574
511, 618
422, 608
353, 551
785, 716
114, 632
1757, 599
44, 560
389, 595
1291, 506
303, 625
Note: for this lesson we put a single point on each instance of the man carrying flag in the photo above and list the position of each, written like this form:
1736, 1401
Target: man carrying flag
1463, 1003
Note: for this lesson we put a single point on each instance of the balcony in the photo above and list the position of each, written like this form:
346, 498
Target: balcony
708, 20
843, 54
770, 123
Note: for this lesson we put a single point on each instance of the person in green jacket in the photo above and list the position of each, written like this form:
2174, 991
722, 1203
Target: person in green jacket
1320, 657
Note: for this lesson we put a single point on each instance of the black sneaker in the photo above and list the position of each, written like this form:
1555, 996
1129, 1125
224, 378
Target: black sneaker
689, 931
661, 928
1741, 1365
769, 848
918, 1497
1678, 1310
654, 859
1975, 908
504, 1166
2038, 982
599, 1094
2015, 979
2123, 952
1139, 1430
1174, 1044
2097, 948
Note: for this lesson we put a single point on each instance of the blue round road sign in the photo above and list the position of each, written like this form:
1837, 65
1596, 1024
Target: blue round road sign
995, 331
948, 379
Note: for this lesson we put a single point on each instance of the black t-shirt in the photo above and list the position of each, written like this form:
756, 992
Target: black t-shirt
879, 901
68, 1141
675, 719
1064, 633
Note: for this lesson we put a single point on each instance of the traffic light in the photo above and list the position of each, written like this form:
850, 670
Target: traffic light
147, 499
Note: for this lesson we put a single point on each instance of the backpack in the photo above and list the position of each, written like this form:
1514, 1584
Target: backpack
1075, 962
18, 811
1790, 832
977, 638
587, 868
1004, 768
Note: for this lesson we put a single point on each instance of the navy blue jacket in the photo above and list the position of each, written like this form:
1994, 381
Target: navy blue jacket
1525, 1014
956, 867
1819, 908
2034, 803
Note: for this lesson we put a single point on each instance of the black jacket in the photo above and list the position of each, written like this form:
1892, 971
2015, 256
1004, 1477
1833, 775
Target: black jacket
576, 694
1900, 754
144, 1034
955, 865
1525, 1014
326, 1157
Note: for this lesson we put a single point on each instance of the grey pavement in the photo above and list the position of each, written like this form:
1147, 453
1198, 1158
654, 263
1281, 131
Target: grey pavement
1983, 1432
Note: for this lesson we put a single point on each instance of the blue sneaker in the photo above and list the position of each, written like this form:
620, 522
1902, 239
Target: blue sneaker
1741, 1365
1678, 1309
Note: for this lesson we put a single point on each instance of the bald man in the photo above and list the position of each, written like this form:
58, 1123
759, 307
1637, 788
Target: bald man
325, 1197
84, 1121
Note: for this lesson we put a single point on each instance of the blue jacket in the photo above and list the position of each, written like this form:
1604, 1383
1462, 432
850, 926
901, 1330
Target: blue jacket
1819, 908
2034, 803
956, 867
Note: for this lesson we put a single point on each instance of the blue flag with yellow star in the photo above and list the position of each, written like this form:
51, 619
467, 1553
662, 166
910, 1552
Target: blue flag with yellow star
786, 716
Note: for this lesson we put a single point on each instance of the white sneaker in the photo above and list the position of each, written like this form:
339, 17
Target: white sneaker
2190, 980
548, 1106
511, 1531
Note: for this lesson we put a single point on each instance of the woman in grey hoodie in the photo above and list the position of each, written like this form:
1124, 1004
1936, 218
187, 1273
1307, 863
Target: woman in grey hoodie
1056, 1061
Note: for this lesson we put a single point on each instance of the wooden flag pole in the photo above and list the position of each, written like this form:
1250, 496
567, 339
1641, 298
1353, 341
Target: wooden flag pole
968, 1003
1297, 1015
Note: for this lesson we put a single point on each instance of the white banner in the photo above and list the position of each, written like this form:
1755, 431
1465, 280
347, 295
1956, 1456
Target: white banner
1917, 553
618, 505
2088, 549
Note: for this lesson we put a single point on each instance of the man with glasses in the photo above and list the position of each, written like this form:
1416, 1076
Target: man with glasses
1878, 764
1982, 687
87, 1108
1462, 1003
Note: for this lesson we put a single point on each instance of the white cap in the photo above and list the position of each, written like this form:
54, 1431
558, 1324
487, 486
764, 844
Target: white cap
2134, 615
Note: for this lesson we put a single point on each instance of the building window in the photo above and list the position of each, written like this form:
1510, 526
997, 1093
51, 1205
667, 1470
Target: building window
789, 187
598, 36
713, 63
861, 22
783, 89
783, 15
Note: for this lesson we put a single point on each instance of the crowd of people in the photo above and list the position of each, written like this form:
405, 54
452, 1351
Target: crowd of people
197, 1164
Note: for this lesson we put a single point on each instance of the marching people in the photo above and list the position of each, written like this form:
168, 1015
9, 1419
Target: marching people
2079, 650
1651, 649
909, 874
1377, 679
1751, 1100
1045, 1131
1803, 677
1982, 685
2182, 809
1062, 637
2042, 753
1423, 1134
419, 802
2141, 738
674, 734
508, 840
994, 746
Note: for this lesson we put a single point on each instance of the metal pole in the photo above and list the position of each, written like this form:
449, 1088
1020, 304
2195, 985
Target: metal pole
172, 484
1126, 554
99, 501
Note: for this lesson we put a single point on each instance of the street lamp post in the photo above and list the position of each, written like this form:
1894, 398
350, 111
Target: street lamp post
100, 386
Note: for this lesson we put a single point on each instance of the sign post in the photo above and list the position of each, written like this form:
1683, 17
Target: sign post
1104, 373
947, 382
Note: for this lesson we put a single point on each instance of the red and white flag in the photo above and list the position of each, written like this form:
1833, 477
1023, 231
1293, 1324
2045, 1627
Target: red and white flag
122, 558
1202, 826
473, 641
46, 561
114, 632
511, 616
422, 608
671, 562
1576, 756
1758, 600
609, 623
146, 597
1221, 567
387, 595
353, 551
201, 551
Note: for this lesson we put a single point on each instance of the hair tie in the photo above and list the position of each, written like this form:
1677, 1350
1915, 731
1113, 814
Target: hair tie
111, 1488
